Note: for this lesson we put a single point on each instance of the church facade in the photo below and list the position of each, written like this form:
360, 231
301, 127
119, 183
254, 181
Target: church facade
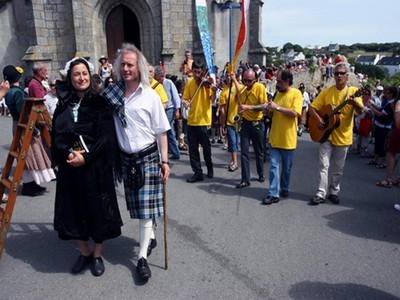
55, 31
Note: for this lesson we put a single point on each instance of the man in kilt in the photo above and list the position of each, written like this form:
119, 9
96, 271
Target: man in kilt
141, 127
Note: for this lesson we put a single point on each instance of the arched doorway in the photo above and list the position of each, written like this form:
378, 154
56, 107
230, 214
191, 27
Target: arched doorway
122, 26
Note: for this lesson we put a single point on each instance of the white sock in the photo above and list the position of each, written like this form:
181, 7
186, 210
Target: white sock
145, 232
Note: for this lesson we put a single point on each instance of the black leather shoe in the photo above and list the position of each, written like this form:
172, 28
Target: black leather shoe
143, 269
269, 200
195, 178
28, 189
261, 178
81, 263
284, 194
243, 184
316, 200
210, 172
334, 199
97, 266
38, 187
152, 245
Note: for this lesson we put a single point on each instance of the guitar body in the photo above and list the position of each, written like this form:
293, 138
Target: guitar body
331, 119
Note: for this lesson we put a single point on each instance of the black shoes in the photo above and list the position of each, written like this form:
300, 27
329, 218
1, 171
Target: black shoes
195, 178
97, 266
32, 189
210, 172
284, 194
316, 200
152, 245
261, 178
243, 184
269, 200
143, 269
334, 199
81, 263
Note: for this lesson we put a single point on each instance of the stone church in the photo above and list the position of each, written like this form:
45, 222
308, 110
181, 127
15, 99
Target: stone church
54, 31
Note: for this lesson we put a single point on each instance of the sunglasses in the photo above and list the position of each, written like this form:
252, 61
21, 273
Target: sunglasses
340, 73
245, 80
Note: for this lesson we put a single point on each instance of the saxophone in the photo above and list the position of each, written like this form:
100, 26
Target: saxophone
237, 119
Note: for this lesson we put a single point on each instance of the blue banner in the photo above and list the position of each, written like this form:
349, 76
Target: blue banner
202, 23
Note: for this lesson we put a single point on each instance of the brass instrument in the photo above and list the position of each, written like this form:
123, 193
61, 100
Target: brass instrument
237, 119
237, 122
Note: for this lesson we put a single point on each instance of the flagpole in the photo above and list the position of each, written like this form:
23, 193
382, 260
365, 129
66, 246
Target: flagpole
228, 5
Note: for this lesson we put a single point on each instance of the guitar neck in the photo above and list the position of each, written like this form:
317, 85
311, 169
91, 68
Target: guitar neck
336, 110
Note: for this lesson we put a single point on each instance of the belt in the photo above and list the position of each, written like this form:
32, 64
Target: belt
247, 121
142, 153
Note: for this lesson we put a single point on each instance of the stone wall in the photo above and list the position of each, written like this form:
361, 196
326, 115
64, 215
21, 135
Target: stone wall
54, 31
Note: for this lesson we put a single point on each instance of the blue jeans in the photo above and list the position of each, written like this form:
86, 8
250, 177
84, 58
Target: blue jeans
172, 143
233, 139
277, 184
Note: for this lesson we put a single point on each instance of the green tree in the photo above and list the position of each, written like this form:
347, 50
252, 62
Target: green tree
287, 47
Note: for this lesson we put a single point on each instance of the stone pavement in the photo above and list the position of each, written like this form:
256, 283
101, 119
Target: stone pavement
222, 243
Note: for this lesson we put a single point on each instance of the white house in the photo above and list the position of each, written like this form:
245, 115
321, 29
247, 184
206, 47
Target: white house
392, 64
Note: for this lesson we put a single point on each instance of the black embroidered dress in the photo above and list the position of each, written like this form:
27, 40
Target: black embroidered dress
86, 203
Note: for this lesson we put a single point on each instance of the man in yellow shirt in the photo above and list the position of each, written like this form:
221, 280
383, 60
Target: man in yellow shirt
284, 111
199, 96
229, 110
158, 87
333, 151
252, 127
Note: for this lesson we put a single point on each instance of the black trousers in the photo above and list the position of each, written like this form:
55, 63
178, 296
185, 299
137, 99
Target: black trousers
199, 135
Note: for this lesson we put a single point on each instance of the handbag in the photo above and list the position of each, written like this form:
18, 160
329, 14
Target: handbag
365, 126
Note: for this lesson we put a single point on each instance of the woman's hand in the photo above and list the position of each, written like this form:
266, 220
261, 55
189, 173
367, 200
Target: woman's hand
75, 158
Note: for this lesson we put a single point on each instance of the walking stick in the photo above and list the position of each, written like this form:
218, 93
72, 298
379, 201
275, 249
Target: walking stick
165, 224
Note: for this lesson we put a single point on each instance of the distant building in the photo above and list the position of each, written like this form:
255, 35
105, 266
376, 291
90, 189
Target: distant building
333, 47
370, 60
293, 56
392, 64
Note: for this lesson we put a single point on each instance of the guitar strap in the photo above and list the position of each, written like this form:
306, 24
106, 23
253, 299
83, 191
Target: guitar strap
347, 92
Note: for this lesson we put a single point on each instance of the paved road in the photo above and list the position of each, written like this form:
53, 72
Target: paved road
223, 244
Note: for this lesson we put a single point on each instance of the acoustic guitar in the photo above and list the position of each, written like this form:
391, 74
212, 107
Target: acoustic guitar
331, 117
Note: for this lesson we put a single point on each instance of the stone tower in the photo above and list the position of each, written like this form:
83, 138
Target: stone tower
55, 31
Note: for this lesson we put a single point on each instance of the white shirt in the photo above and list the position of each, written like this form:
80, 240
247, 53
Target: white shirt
51, 103
145, 117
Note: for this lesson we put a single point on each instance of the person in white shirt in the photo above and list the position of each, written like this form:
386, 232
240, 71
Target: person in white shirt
141, 127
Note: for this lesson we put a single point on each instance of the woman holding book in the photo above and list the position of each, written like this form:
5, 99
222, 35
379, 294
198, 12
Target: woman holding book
84, 149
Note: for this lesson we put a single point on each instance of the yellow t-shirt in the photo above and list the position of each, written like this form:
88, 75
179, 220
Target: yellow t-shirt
200, 107
233, 104
159, 88
256, 96
283, 134
343, 135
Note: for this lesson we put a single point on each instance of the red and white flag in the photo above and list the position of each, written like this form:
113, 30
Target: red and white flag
242, 32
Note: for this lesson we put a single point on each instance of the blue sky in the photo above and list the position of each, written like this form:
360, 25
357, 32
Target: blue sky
316, 22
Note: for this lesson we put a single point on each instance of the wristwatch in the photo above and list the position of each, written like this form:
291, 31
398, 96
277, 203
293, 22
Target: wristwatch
278, 108
164, 162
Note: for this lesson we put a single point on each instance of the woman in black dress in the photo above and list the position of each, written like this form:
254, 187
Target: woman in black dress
84, 149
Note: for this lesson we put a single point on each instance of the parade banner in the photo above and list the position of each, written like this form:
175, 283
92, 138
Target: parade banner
242, 32
202, 23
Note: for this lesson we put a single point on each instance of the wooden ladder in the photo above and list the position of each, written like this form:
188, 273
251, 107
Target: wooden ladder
34, 113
